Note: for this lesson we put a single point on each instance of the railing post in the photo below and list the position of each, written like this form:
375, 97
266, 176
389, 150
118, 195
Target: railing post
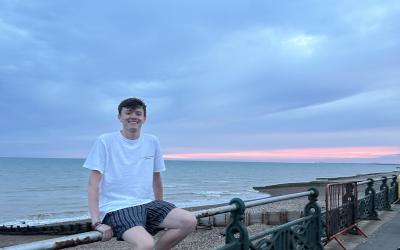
312, 208
370, 191
237, 236
395, 187
385, 188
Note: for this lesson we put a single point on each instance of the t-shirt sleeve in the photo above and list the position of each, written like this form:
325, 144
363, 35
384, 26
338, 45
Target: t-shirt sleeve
96, 157
159, 164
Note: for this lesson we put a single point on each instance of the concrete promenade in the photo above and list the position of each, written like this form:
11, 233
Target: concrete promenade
383, 234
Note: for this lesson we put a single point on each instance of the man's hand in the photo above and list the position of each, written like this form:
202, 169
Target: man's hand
106, 231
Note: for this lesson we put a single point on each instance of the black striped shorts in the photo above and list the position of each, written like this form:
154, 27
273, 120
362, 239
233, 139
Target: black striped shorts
149, 215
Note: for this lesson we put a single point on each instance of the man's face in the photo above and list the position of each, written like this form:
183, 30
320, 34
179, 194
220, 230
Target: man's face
132, 119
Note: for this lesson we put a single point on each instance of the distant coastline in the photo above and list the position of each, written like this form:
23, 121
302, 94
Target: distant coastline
224, 160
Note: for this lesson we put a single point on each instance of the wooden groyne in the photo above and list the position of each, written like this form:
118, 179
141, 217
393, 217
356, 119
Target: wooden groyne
54, 229
251, 218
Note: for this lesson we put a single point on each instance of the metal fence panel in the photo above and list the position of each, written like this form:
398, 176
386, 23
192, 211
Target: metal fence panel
341, 208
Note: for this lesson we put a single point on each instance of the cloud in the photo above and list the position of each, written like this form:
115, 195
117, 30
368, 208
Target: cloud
210, 72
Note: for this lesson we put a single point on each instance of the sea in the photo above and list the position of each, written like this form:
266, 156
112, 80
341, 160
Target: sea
36, 191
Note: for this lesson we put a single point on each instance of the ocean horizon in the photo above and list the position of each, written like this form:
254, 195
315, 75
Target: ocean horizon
46, 190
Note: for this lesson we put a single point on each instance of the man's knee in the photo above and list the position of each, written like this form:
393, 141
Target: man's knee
139, 238
189, 221
180, 219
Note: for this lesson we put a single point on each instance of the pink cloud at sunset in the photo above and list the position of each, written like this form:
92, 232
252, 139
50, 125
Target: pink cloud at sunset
294, 154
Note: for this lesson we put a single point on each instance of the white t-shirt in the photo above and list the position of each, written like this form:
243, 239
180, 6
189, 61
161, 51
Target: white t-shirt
127, 168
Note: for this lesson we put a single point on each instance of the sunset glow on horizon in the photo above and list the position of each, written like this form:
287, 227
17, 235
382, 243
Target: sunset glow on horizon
293, 154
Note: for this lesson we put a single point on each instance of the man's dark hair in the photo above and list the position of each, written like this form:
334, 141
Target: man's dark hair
132, 103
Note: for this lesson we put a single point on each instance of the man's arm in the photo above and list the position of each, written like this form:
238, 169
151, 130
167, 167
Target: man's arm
93, 199
157, 186
93, 195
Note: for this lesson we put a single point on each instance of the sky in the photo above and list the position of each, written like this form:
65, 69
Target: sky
296, 81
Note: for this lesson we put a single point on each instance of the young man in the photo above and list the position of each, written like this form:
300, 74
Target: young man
125, 187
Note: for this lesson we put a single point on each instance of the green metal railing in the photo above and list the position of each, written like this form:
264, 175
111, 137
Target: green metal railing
366, 205
303, 233
377, 200
308, 232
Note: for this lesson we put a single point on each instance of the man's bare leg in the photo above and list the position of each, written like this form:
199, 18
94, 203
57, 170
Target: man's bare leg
180, 223
139, 238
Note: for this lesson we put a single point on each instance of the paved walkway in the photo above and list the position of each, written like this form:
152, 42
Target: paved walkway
383, 234
386, 237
